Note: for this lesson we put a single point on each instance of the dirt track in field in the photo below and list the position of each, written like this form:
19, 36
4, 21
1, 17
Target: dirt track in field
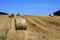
38, 28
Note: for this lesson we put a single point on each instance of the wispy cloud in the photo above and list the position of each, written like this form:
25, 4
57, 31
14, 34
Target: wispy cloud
44, 5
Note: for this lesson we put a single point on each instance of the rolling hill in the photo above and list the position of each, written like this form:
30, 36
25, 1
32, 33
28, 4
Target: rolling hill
38, 28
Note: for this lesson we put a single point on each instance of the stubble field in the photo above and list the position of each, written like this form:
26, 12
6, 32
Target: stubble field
38, 28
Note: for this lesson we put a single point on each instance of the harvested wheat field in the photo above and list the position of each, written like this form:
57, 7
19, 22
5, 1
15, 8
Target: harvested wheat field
38, 28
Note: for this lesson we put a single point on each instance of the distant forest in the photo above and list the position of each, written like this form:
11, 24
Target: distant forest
3, 13
57, 13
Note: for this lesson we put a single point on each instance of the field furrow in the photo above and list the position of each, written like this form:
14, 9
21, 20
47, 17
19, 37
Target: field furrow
38, 28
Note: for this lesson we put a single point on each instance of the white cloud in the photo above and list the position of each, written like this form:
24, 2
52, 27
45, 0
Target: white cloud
44, 5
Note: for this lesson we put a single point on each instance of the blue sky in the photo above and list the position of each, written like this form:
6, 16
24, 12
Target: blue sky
30, 7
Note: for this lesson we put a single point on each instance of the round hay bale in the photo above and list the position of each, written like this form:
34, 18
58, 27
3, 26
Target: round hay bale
51, 15
11, 15
21, 24
18, 14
